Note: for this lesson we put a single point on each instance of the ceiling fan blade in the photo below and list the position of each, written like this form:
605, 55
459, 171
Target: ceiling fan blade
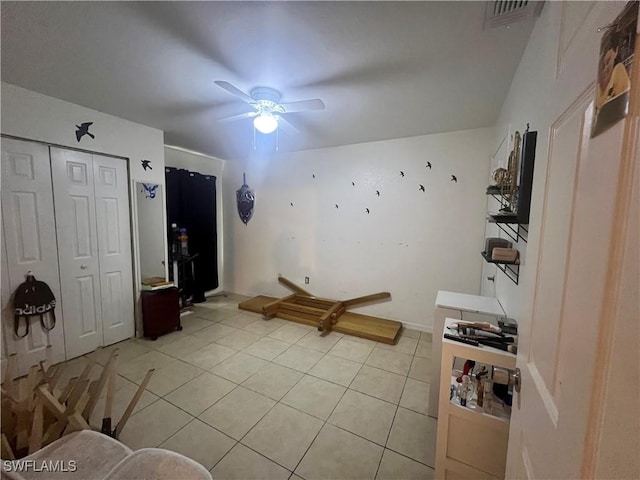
238, 117
301, 106
286, 126
235, 91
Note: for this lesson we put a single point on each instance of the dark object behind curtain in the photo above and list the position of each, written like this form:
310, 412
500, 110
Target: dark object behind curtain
191, 204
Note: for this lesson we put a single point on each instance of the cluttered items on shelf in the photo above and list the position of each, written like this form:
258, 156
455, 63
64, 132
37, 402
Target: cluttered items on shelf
483, 333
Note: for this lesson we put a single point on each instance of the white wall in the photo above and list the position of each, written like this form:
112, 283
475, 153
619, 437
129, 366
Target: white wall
205, 165
412, 243
33, 116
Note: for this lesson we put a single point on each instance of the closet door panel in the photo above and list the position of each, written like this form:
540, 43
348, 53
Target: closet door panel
114, 246
75, 213
29, 244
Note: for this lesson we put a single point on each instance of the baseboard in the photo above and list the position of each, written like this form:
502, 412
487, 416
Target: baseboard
419, 327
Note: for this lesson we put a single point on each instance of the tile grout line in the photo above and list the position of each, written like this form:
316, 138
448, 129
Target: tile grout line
302, 373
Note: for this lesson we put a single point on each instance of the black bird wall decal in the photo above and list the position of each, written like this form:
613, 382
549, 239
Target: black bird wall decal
454, 178
378, 192
292, 204
146, 164
429, 165
313, 175
336, 205
353, 183
367, 210
422, 188
401, 173
83, 129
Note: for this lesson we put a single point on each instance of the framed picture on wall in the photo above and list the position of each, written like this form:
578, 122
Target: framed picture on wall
613, 82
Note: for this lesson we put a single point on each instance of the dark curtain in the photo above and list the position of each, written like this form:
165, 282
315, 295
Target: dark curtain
191, 204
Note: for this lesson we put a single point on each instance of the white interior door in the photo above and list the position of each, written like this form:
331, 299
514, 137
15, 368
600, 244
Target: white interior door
75, 213
559, 344
114, 248
29, 244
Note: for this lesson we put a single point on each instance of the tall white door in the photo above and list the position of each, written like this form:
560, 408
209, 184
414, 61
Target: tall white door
75, 212
114, 247
29, 244
94, 234
580, 229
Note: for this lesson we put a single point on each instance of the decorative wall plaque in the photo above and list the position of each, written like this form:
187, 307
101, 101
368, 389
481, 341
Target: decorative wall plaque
246, 199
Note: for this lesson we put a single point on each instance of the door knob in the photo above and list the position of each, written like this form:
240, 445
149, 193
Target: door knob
83, 267
516, 379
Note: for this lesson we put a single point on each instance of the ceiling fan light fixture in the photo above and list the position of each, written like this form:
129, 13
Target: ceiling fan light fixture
265, 123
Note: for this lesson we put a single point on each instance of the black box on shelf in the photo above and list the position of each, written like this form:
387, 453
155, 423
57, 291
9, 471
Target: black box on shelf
493, 242
525, 185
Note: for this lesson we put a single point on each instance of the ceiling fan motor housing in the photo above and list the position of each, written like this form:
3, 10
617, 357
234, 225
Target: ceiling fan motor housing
267, 100
265, 94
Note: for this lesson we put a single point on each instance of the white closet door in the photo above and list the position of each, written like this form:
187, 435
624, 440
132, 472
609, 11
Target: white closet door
29, 244
75, 214
114, 247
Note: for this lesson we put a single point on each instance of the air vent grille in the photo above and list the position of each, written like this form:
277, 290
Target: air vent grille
505, 12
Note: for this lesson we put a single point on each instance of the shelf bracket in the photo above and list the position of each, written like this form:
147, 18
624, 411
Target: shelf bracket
511, 271
514, 233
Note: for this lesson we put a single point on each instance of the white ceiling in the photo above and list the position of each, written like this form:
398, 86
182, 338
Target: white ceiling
383, 69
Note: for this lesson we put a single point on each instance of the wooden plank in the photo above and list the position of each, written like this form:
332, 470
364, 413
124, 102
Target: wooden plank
132, 404
111, 390
10, 375
293, 318
294, 307
292, 286
323, 303
324, 322
67, 390
8, 396
271, 308
79, 389
364, 326
32, 380
336, 315
35, 439
293, 313
255, 304
55, 377
8, 418
7, 451
50, 402
374, 297
96, 389
372, 328
76, 422
23, 424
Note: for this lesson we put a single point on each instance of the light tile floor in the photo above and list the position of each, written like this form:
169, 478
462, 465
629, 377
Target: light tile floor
272, 399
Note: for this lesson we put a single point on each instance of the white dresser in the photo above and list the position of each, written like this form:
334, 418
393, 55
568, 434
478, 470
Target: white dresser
472, 440
459, 306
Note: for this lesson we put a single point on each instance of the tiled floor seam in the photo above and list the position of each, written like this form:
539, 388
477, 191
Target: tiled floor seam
395, 413
308, 448
263, 455
304, 373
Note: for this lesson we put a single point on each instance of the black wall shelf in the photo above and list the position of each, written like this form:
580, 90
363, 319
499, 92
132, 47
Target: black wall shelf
506, 222
510, 269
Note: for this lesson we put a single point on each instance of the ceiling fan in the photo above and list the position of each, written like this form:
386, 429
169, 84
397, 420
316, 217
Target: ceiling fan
268, 111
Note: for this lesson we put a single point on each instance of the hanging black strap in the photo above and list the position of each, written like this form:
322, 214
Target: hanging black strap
16, 326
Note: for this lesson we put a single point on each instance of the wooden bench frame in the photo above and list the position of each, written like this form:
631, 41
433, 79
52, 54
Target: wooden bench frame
325, 314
